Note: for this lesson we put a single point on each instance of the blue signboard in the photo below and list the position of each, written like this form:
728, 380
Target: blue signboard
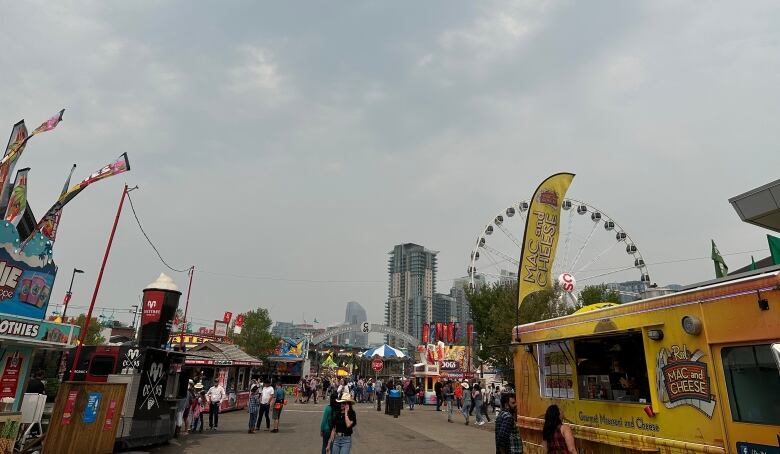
25, 281
92, 408
753, 448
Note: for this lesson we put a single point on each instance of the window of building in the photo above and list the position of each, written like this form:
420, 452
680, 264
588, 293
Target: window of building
753, 384
612, 368
555, 370
101, 365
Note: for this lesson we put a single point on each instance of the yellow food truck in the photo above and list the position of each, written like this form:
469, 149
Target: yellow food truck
690, 372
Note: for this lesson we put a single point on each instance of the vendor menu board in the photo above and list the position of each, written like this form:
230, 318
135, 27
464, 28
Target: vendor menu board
555, 371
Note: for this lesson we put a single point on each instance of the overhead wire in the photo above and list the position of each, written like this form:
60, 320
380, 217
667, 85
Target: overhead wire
149, 240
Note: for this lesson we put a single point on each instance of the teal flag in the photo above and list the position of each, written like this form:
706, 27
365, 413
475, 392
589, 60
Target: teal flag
774, 248
720, 265
753, 266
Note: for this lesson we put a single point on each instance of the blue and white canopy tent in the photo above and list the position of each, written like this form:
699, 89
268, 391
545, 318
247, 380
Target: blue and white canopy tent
385, 351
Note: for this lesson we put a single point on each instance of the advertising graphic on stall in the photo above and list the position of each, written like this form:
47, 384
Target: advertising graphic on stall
25, 286
682, 379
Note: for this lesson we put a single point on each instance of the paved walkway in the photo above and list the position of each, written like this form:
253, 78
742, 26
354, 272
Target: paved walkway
423, 430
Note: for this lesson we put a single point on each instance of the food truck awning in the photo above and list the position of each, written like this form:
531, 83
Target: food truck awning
760, 206
37, 333
220, 354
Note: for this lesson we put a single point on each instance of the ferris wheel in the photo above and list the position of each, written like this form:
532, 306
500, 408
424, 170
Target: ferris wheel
592, 249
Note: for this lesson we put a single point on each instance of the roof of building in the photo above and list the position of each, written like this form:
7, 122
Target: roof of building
220, 354
760, 206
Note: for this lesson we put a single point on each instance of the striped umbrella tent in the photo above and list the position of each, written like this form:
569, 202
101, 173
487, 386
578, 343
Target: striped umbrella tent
385, 351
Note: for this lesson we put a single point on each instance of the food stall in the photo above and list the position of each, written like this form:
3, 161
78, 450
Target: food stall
289, 360
26, 280
440, 362
226, 364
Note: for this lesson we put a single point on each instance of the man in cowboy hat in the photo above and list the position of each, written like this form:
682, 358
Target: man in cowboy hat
343, 424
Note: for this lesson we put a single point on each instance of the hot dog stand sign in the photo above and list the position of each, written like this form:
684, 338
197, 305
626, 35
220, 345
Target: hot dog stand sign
682, 379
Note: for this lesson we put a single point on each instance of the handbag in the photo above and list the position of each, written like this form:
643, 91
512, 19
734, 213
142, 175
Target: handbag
278, 406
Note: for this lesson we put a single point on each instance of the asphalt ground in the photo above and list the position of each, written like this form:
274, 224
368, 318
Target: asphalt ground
421, 431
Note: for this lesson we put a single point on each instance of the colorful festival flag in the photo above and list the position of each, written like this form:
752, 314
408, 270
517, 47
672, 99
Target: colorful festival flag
753, 265
50, 221
774, 248
18, 135
425, 333
17, 202
15, 149
720, 265
540, 239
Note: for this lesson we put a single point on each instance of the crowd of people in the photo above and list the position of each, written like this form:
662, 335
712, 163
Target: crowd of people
339, 418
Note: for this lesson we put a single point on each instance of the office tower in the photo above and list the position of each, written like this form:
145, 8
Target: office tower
412, 270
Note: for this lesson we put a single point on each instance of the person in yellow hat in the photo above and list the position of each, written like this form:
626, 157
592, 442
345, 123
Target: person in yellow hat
343, 424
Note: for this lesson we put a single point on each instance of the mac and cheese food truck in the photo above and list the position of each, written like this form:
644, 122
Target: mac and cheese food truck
689, 372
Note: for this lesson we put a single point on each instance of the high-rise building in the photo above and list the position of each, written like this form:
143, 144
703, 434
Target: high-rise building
507, 277
355, 315
461, 310
412, 270
443, 306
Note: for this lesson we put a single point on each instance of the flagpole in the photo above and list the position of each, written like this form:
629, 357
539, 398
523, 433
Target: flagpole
186, 307
83, 335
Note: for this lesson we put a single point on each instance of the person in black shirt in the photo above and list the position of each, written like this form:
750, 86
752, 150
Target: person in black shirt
36, 385
343, 424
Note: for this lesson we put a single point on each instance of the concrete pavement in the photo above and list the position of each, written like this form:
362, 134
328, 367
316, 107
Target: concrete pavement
423, 430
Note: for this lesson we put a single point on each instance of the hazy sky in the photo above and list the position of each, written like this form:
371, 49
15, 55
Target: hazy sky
302, 141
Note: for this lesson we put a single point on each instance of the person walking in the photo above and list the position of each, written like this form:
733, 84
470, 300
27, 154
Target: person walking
507, 437
411, 394
466, 401
437, 390
215, 397
266, 395
557, 437
327, 418
477, 401
449, 399
343, 426
458, 393
278, 404
198, 407
487, 396
254, 407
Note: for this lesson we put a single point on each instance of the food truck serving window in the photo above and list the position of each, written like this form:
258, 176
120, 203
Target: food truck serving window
101, 365
753, 384
612, 368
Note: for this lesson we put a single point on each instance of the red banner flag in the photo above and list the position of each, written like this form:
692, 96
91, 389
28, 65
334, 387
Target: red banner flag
425, 332
227, 317
469, 333
240, 320
439, 331
450, 332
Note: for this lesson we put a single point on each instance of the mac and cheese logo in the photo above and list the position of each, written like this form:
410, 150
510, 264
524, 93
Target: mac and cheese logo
682, 379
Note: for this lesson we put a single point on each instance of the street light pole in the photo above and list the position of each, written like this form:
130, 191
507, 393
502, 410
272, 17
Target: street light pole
69, 293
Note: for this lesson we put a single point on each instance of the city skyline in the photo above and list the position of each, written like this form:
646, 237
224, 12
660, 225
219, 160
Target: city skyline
330, 136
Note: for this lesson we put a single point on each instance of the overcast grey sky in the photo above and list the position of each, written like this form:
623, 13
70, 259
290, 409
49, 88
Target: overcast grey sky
303, 140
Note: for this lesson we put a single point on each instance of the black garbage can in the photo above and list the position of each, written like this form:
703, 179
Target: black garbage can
394, 405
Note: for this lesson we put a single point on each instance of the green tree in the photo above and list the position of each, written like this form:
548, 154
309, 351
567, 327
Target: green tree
256, 338
93, 336
593, 294
493, 309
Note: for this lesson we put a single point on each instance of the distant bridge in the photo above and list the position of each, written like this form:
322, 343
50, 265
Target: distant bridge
365, 328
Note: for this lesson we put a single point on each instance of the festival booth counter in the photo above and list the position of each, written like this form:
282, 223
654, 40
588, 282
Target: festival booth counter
289, 360
440, 362
226, 364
